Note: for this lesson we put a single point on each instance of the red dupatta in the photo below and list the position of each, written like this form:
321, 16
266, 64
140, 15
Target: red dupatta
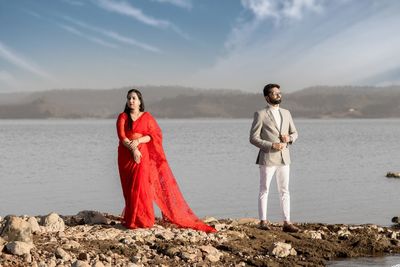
166, 190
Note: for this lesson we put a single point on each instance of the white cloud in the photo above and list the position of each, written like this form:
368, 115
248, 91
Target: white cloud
264, 10
126, 9
22, 63
278, 9
296, 8
113, 35
179, 3
131, 41
90, 38
340, 49
261, 8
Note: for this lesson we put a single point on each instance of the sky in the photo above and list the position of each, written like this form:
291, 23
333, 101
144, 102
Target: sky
231, 44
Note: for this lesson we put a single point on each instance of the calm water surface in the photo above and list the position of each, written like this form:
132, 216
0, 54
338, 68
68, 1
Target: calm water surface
337, 174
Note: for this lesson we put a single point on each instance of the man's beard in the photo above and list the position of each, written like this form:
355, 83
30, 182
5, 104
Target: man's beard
275, 101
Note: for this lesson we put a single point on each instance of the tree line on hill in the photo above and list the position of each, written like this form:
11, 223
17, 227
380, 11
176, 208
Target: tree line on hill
185, 102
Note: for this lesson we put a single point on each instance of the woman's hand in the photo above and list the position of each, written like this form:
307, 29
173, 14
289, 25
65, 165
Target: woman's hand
131, 144
137, 155
134, 144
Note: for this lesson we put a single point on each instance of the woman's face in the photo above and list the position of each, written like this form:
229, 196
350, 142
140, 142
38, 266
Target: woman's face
133, 101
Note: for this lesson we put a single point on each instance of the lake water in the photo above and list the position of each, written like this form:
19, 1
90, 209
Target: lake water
337, 173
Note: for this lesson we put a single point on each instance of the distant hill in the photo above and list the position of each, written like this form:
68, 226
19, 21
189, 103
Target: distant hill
185, 102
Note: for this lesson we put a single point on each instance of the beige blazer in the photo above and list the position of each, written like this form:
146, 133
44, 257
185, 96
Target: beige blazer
264, 131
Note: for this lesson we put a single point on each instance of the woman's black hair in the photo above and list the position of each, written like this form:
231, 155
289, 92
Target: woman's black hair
127, 110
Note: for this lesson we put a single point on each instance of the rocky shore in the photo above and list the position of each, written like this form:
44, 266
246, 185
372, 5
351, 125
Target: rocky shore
92, 238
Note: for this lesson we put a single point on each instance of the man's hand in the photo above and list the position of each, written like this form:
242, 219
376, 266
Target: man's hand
278, 146
285, 138
137, 156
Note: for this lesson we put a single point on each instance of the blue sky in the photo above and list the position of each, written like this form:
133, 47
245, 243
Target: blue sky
237, 44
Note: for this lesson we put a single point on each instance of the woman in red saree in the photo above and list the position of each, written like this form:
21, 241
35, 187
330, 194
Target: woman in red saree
145, 173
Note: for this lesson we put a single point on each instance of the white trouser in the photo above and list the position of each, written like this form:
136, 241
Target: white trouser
282, 181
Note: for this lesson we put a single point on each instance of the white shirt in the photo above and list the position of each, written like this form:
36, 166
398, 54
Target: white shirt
277, 115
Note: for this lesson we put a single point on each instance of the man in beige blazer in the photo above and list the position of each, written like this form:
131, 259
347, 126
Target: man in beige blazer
273, 131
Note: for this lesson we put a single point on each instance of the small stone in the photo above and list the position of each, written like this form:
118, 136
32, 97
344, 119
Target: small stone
165, 235
393, 175
51, 263
282, 250
83, 256
98, 263
34, 225
136, 259
93, 217
28, 258
71, 244
188, 256
250, 221
79, 263
53, 223
209, 220
62, 254
19, 248
220, 226
313, 234
393, 235
212, 254
344, 233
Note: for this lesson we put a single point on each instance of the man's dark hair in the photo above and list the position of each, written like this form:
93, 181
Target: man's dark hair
268, 88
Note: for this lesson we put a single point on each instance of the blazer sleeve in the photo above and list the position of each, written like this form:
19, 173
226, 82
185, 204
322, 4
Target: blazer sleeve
292, 129
255, 134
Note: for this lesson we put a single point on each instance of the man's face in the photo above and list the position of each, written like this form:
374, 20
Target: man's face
274, 97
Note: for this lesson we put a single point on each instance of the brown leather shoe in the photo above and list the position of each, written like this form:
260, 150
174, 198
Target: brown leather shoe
264, 225
290, 228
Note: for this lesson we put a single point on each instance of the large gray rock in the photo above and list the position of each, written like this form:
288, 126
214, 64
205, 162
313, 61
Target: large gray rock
19, 248
17, 229
93, 217
53, 223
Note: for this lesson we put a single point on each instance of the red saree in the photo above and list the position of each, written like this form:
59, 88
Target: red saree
150, 180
